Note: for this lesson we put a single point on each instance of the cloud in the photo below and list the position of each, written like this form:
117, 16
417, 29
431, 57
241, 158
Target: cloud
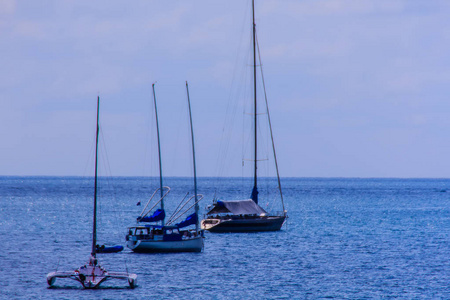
340, 70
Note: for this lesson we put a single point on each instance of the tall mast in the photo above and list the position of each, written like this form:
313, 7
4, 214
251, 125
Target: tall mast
193, 155
94, 230
159, 150
255, 176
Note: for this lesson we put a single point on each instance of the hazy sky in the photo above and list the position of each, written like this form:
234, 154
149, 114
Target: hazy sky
356, 88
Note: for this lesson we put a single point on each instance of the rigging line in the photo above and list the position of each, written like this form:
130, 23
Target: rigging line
223, 149
192, 148
152, 136
109, 178
240, 91
159, 149
231, 116
247, 92
176, 209
148, 130
262, 149
148, 202
90, 158
102, 169
107, 168
231, 120
176, 215
144, 215
246, 142
195, 203
270, 126
105, 155
244, 136
88, 162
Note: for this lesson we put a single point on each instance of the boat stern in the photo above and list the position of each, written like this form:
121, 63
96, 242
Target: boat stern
207, 224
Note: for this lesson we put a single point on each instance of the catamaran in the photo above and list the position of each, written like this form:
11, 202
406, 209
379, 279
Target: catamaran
148, 236
247, 215
92, 274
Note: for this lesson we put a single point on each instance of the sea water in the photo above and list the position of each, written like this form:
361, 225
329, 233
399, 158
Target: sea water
344, 239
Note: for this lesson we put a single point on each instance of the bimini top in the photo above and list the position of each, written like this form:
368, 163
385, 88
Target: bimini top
237, 207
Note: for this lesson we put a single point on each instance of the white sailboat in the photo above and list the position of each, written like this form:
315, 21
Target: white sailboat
247, 215
150, 237
92, 274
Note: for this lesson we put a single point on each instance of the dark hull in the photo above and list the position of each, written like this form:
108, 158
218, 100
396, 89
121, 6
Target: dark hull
257, 224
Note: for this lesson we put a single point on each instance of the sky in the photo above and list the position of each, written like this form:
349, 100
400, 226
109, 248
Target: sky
356, 88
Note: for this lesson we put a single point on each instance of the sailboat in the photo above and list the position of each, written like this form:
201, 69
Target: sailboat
150, 237
247, 215
92, 274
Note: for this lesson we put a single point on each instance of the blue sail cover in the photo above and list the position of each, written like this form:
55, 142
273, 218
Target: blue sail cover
190, 220
158, 215
255, 194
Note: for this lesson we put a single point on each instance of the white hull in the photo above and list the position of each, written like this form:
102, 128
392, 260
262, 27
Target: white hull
148, 246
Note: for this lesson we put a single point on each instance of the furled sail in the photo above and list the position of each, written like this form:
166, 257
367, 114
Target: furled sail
190, 220
158, 215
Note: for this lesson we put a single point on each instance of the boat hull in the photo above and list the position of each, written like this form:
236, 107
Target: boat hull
257, 224
91, 276
112, 249
158, 246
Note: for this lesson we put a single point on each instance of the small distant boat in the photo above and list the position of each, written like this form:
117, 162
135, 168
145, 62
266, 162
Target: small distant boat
91, 275
247, 215
169, 236
108, 249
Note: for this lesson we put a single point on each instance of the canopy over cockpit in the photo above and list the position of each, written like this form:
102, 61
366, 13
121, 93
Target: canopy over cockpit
237, 207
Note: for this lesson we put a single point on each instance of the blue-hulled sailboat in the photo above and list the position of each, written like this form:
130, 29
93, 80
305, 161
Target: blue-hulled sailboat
153, 234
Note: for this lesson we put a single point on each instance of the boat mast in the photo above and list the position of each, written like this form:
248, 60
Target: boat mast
193, 156
159, 150
255, 176
94, 230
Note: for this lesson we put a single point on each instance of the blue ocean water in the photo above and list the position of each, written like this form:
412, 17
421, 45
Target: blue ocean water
344, 239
